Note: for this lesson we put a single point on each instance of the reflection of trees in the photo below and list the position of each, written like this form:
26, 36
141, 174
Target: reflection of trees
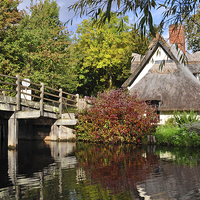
181, 155
118, 168
106, 172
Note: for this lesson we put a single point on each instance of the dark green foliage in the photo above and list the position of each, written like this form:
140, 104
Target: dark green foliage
116, 116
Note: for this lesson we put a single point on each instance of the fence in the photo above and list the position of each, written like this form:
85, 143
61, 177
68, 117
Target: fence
39, 92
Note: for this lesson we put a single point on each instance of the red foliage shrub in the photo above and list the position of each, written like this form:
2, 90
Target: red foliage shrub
116, 116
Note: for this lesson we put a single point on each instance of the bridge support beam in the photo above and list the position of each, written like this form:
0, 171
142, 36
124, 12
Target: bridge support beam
62, 132
13, 131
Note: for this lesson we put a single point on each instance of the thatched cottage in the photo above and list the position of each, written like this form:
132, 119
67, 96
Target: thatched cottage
176, 85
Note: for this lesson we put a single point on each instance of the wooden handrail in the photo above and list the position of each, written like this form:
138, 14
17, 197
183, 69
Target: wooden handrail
69, 100
73, 95
8, 83
29, 88
60, 98
51, 89
53, 95
32, 95
31, 82
3, 75
2, 89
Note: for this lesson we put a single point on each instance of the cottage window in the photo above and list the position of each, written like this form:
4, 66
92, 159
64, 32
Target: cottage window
156, 104
197, 75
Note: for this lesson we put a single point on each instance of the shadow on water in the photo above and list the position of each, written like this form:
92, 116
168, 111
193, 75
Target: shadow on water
33, 156
4, 164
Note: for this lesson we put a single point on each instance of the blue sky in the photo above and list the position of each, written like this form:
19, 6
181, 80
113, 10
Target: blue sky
66, 15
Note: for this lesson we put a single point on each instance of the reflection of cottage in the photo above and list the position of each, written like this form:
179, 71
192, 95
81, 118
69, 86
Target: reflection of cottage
171, 182
175, 86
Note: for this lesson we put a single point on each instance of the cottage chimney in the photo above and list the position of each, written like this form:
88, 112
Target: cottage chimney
177, 36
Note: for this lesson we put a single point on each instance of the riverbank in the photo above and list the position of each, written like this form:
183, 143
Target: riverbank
174, 135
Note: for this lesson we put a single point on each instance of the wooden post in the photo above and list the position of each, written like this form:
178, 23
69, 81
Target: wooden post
13, 131
60, 179
149, 138
13, 166
41, 182
18, 95
77, 101
60, 101
42, 99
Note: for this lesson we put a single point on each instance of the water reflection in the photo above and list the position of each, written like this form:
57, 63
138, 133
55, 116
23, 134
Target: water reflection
52, 170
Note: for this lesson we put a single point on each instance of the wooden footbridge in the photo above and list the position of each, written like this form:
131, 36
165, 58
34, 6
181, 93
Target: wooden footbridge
25, 105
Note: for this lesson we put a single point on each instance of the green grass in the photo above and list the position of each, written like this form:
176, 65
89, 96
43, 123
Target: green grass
175, 136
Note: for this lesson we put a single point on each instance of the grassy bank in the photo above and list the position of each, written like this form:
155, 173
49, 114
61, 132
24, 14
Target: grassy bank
181, 130
177, 136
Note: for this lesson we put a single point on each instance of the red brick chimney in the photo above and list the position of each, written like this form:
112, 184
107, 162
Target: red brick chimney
177, 36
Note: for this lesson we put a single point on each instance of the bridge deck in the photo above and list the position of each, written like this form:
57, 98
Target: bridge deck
15, 104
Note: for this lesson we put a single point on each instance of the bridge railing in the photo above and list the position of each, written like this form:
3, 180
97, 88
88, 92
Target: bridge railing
39, 92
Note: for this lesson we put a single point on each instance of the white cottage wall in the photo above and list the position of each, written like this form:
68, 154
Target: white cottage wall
165, 115
159, 55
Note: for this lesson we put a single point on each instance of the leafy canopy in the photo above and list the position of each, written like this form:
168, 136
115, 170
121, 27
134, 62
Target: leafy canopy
9, 15
38, 48
105, 53
192, 31
175, 11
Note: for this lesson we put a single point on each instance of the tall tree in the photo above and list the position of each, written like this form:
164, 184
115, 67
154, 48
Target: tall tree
175, 11
9, 19
41, 49
9, 15
105, 54
192, 31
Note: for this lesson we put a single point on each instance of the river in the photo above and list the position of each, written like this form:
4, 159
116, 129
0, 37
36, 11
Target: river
64, 170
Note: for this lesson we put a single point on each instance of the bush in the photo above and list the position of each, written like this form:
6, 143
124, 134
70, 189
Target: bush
170, 121
195, 126
176, 136
185, 118
115, 116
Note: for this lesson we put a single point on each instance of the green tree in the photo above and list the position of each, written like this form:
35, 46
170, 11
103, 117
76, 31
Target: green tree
139, 44
45, 47
174, 11
39, 49
192, 31
9, 15
9, 18
105, 54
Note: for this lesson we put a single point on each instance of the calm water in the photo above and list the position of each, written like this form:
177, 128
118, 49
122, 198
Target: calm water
51, 170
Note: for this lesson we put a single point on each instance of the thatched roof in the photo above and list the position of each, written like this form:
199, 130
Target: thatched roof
158, 41
175, 87
194, 57
194, 62
135, 62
